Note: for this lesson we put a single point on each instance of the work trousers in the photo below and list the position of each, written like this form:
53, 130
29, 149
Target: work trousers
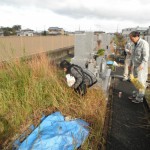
126, 68
142, 76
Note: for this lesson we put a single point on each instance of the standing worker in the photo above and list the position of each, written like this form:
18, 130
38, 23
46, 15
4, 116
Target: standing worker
128, 51
139, 63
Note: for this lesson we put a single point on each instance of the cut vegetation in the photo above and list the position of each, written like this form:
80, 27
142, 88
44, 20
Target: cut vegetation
148, 89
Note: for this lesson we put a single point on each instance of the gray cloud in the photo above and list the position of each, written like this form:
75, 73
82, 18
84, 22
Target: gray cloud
106, 13
134, 10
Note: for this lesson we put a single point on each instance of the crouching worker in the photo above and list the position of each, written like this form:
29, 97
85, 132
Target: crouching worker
79, 78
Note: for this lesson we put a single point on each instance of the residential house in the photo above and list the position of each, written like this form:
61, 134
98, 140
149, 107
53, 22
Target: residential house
147, 37
79, 32
56, 31
147, 32
25, 32
1, 33
127, 31
141, 30
69, 33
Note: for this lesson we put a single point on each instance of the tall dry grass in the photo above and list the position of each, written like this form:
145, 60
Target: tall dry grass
29, 89
148, 89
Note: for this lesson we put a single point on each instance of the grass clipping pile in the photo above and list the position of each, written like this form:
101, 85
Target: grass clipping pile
29, 89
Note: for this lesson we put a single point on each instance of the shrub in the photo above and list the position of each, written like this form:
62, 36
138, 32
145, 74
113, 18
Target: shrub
100, 52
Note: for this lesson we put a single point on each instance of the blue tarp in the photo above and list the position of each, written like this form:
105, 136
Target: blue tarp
54, 133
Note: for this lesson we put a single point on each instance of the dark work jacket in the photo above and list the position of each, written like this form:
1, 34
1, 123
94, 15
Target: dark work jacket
81, 76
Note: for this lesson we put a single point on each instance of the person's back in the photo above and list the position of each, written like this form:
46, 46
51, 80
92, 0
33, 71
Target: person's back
90, 78
85, 75
77, 73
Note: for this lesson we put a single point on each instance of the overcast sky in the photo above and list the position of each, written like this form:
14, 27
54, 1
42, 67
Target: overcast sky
89, 15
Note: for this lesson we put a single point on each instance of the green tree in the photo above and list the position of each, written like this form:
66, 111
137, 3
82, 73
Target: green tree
10, 30
16, 27
7, 31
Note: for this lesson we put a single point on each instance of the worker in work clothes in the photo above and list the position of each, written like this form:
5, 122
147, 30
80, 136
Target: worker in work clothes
139, 63
128, 51
83, 77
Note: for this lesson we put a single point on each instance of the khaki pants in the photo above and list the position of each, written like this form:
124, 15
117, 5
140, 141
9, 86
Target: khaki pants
126, 68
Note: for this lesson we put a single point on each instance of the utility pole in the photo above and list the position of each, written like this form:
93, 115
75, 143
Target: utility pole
117, 28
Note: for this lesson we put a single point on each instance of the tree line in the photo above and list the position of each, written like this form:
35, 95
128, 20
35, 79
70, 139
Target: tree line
7, 31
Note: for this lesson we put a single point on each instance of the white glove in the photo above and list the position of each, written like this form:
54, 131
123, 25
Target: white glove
127, 50
70, 80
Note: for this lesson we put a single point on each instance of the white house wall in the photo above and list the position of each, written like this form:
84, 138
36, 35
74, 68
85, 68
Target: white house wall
25, 33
